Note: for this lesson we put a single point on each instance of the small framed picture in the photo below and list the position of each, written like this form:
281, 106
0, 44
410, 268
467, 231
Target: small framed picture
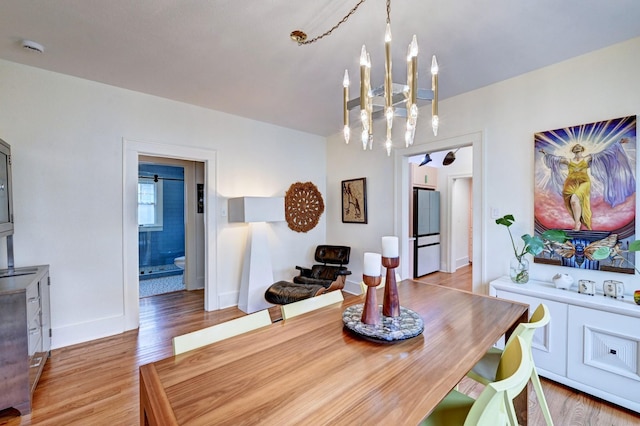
354, 200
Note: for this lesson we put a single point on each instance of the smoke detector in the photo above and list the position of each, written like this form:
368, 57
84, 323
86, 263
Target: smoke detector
32, 46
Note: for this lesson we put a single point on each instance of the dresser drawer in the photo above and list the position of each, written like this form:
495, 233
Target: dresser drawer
34, 336
33, 302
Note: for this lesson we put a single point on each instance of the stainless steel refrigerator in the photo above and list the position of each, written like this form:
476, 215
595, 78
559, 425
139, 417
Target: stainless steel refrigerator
426, 231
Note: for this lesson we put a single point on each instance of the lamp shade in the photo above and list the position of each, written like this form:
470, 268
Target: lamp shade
256, 209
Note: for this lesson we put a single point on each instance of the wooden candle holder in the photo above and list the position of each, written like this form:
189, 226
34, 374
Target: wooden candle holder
391, 303
370, 314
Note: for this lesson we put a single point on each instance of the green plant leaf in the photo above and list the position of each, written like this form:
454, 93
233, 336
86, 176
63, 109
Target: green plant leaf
533, 245
507, 220
600, 253
634, 246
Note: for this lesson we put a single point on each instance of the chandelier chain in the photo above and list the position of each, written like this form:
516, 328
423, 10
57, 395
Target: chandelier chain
342, 21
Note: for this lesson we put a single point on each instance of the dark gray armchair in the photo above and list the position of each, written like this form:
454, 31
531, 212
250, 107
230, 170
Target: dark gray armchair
330, 274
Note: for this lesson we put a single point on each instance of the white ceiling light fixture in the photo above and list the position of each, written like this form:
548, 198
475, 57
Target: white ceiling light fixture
384, 100
32, 46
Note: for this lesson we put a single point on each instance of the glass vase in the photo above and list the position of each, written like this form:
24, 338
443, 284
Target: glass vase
519, 270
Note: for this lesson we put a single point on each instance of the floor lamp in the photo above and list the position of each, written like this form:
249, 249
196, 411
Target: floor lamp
257, 272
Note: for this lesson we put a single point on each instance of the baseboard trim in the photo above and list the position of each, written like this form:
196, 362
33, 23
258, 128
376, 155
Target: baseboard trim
86, 331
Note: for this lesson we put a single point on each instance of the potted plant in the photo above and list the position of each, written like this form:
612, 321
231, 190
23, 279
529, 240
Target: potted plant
533, 245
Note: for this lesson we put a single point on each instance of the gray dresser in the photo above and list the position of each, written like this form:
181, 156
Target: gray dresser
25, 334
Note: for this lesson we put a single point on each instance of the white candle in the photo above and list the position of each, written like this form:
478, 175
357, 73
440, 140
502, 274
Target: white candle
372, 262
390, 247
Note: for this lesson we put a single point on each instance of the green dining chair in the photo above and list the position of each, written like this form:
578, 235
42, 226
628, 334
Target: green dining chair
224, 330
300, 307
486, 370
494, 406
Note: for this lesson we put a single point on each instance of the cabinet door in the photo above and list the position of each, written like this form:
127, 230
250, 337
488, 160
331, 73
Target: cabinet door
604, 351
424, 176
427, 212
549, 342
434, 212
45, 312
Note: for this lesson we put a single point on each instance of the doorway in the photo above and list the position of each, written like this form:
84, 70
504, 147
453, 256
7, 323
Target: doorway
402, 205
132, 150
447, 174
161, 226
170, 220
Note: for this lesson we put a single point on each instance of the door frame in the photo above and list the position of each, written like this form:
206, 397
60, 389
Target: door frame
401, 201
131, 151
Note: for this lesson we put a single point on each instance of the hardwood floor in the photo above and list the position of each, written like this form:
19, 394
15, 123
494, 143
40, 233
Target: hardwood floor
96, 383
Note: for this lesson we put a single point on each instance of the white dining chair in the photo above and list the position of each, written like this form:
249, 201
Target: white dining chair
486, 370
215, 333
300, 307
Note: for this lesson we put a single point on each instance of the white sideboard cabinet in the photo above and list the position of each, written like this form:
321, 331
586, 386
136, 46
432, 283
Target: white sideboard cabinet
592, 343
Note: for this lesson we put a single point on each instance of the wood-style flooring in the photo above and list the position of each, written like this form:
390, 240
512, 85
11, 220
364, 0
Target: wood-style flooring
96, 383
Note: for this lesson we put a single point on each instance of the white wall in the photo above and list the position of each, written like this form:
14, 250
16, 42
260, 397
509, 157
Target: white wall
592, 87
460, 218
67, 144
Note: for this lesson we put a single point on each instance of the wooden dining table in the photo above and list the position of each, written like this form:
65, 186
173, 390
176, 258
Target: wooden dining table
311, 370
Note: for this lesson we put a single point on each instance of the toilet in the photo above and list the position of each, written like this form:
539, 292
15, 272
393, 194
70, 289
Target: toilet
179, 262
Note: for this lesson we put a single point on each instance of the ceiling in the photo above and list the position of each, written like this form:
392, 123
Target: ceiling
237, 57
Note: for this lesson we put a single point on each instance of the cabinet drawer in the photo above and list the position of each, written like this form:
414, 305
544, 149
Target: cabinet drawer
604, 351
34, 337
549, 343
33, 301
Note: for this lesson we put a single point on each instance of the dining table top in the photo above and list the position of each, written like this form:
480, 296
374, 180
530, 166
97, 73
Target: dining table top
310, 369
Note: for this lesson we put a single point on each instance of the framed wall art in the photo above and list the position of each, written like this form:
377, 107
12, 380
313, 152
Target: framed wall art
354, 200
585, 185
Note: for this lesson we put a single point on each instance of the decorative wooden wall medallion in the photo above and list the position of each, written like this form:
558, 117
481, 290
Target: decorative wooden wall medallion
303, 206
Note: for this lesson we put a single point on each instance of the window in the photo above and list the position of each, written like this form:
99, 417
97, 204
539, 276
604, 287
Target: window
149, 205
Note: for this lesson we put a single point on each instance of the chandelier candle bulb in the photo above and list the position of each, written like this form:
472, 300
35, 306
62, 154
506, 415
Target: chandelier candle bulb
363, 72
345, 96
434, 103
388, 87
407, 137
369, 101
407, 91
413, 48
388, 84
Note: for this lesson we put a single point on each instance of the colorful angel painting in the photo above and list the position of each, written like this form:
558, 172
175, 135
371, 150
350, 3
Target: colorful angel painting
585, 184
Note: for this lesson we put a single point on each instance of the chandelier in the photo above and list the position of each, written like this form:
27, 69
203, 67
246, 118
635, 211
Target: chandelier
389, 99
